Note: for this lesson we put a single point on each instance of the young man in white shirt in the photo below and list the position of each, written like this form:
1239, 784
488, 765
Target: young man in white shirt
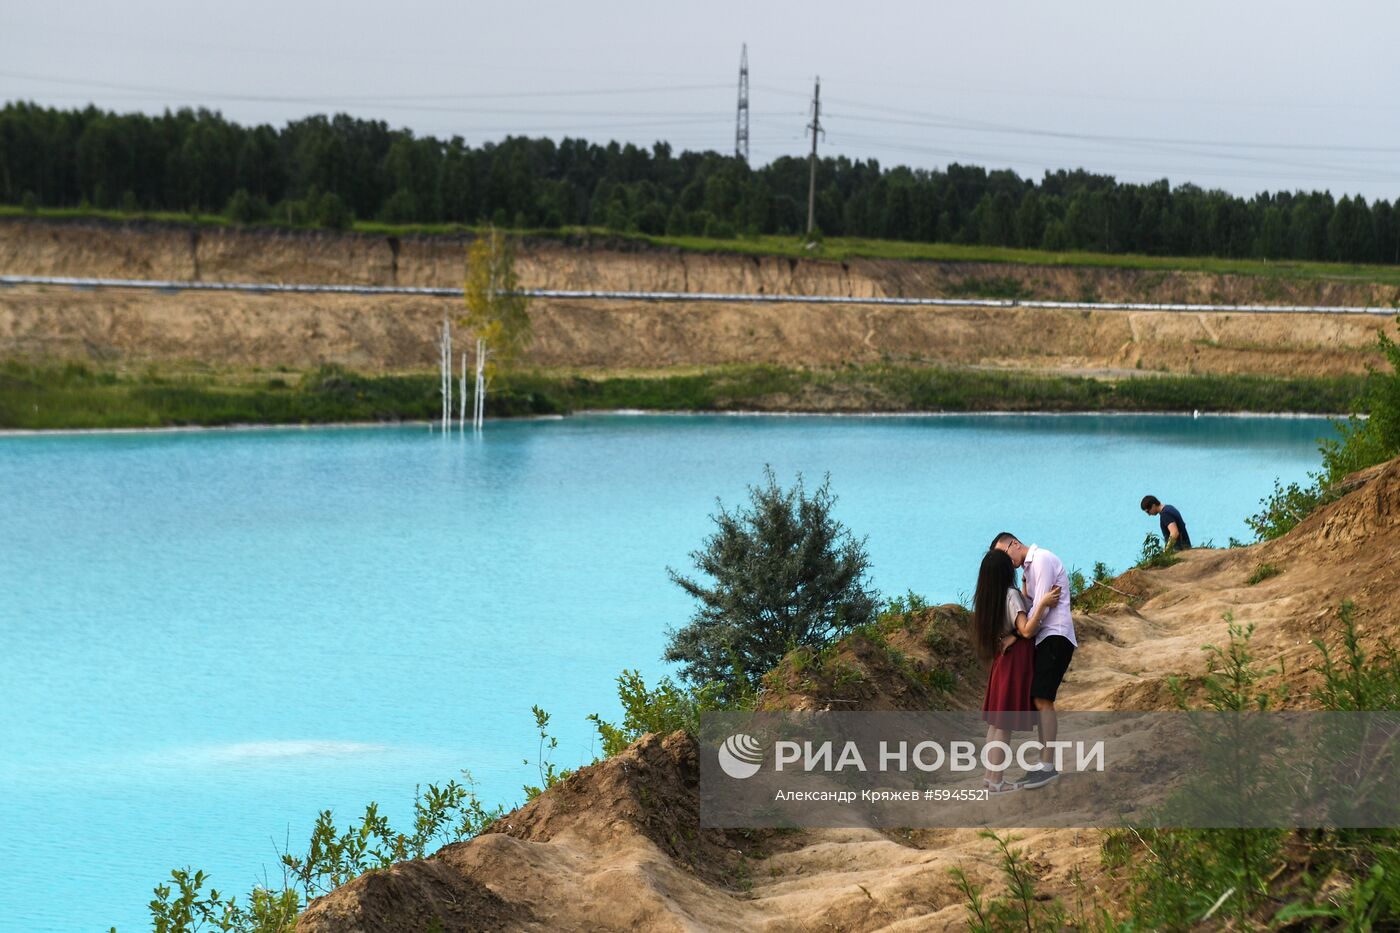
1054, 643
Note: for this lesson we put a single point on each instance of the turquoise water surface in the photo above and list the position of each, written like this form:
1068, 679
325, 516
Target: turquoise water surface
208, 637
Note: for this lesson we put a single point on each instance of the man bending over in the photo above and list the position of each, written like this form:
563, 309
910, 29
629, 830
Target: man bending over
1174, 535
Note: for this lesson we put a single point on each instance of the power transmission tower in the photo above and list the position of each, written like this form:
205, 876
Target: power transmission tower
741, 126
815, 127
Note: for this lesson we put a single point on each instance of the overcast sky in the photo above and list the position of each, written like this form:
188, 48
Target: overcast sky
1244, 96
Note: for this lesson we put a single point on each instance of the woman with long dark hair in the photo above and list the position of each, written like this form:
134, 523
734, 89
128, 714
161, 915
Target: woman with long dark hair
1003, 632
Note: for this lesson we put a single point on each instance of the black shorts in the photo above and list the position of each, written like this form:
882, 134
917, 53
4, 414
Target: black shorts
1052, 658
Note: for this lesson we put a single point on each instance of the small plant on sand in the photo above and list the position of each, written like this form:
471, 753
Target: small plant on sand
1233, 678
1021, 907
1087, 595
549, 772
1262, 573
1156, 554
1357, 681
782, 573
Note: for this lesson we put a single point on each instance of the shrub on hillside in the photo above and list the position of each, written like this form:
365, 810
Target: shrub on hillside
1367, 441
661, 709
1284, 508
1156, 554
783, 574
1361, 442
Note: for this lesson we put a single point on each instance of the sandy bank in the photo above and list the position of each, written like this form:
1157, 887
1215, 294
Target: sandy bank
381, 333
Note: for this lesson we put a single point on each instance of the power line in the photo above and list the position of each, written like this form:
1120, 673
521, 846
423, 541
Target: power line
1019, 152
944, 121
389, 98
1335, 174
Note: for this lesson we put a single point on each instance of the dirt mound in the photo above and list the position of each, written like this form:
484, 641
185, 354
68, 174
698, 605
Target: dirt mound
413, 896
618, 846
1364, 521
916, 661
650, 790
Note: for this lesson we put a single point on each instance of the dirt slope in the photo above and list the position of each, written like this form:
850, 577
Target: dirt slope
617, 846
397, 333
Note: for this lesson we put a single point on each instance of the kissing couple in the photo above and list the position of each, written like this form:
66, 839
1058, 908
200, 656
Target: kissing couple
1026, 634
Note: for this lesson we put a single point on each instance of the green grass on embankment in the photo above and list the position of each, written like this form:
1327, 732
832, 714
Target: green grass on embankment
834, 248
59, 396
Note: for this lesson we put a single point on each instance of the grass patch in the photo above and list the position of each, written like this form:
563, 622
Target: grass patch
74, 395
1262, 573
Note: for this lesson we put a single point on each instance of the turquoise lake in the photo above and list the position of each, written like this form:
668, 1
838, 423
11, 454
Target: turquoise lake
208, 637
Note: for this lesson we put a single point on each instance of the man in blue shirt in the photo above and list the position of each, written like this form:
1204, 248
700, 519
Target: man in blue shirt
1174, 534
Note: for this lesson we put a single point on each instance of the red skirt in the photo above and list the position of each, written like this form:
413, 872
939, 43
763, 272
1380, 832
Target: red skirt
1008, 702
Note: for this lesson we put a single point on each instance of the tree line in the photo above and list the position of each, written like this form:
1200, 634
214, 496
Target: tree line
330, 171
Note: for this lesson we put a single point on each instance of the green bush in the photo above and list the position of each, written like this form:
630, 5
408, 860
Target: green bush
662, 709
243, 208
293, 212
333, 213
1088, 595
442, 815
1285, 507
1361, 442
1156, 554
784, 574
399, 208
894, 606
719, 229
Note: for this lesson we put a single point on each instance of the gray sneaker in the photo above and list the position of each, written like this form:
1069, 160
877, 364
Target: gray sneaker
1039, 778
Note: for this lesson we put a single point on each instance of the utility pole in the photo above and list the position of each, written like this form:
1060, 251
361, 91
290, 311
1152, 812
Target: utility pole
815, 127
741, 124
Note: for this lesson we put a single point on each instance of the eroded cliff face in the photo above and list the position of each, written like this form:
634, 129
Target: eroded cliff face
165, 251
397, 332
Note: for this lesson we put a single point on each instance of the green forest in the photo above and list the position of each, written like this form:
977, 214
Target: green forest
331, 171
